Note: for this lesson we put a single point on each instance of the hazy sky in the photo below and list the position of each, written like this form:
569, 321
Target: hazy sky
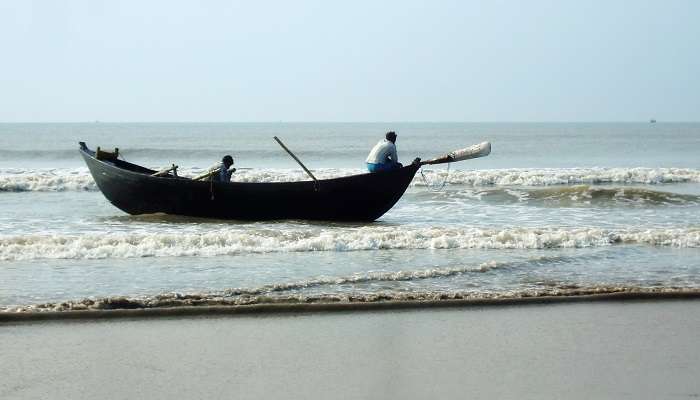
525, 60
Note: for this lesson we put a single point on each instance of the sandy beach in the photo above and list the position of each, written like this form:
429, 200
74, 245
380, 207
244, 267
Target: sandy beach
633, 349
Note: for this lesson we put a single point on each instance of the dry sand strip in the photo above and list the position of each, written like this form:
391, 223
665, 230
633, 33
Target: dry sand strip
581, 350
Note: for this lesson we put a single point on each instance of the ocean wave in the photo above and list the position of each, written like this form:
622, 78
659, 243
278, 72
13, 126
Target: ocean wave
376, 276
256, 240
55, 154
566, 176
579, 195
348, 301
79, 179
46, 180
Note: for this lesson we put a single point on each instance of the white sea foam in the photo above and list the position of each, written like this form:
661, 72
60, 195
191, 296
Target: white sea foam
568, 176
79, 179
252, 240
46, 180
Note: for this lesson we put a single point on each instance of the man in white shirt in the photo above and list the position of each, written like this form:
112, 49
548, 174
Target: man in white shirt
383, 156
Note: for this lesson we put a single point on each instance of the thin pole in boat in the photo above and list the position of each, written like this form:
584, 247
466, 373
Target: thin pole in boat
295, 158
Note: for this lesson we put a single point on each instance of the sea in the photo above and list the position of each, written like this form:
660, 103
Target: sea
556, 209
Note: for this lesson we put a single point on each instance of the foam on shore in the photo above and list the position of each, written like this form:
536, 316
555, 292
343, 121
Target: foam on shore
176, 303
251, 240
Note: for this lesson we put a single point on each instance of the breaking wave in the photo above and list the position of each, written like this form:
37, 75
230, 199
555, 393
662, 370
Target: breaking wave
570, 176
256, 240
46, 180
79, 179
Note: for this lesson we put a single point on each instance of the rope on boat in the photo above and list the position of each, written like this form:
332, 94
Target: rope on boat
436, 188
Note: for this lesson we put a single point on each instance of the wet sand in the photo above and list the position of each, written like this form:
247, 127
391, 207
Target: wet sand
632, 349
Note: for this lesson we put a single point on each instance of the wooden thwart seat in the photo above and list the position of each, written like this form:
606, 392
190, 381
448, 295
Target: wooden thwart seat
166, 171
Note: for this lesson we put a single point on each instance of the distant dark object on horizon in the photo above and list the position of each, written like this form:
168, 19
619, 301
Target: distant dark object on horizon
652, 121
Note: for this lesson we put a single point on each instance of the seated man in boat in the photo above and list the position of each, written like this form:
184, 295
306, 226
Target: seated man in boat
383, 156
224, 174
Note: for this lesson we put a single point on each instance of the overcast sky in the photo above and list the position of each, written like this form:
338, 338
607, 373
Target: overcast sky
349, 61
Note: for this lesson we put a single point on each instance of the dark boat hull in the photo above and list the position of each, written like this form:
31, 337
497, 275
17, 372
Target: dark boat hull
364, 197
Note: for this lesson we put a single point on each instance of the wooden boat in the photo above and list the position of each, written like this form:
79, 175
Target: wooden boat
134, 189
364, 197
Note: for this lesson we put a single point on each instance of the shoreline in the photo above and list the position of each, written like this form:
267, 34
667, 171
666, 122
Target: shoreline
336, 307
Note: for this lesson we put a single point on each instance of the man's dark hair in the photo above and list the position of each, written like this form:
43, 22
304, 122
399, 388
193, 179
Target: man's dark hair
390, 136
227, 160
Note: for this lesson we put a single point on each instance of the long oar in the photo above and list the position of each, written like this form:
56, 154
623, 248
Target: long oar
475, 151
295, 158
